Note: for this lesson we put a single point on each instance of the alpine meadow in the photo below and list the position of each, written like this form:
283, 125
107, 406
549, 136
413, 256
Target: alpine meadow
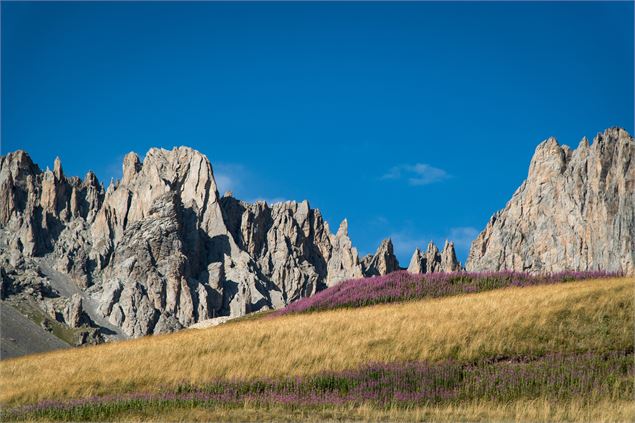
317, 211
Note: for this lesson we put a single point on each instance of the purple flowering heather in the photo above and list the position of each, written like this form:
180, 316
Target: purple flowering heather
404, 286
557, 376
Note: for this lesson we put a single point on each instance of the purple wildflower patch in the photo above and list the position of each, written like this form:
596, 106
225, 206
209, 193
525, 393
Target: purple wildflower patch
557, 377
404, 286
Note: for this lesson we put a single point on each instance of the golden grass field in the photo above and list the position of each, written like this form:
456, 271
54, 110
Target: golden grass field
589, 315
539, 410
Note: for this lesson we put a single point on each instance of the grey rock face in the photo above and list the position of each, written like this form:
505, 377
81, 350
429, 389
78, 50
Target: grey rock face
383, 262
434, 261
575, 211
159, 250
162, 290
432, 258
417, 262
287, 241
291, 246
449, 262
344, 262
74, 315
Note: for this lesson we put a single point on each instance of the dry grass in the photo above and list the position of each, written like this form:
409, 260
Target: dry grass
533, 411
540, 410
581, 316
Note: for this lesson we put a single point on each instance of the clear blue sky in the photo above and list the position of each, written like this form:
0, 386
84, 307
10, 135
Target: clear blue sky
413, 120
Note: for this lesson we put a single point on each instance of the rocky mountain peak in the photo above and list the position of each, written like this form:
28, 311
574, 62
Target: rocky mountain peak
159, 249
344, 261
432, 249
614, 133
549, 160
575, 211
57, 169
131, 167
449, 262
434, 261
17, 166
417, 262
91, 179
382, 262
343, 229
584, 144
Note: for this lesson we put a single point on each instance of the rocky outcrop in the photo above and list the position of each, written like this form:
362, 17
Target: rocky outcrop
144, 247
449, 262
73, 314
161, 287
292, 247
343, 262
159, 250
433, 261
575, 211
383, 262
417, 262
288, 242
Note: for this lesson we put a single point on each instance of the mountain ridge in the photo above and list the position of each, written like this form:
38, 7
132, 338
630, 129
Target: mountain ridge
159, 249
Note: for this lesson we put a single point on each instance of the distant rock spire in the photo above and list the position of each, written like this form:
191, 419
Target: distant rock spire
417, 262
434, 261
383, 262
449, 262
344, 261
57, 169
131, 166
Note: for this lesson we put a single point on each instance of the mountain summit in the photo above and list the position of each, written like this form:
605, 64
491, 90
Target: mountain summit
575, 211
160, 250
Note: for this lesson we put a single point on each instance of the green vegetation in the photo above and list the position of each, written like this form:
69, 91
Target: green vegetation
31, 310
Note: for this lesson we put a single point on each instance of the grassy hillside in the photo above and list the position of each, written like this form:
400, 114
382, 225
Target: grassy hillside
512, 325
405, 286
537, 410
563, 380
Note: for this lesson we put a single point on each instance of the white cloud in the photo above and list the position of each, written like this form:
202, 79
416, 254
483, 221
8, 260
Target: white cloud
416, 174
405, 243
113, 170
229, 176
238, 179
463, 236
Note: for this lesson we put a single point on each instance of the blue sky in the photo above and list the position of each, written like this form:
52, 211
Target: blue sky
413, 120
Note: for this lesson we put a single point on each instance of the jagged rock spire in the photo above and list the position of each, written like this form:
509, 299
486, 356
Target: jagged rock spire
383, 262
417, 262
162, 248
57, 169
449, 262
435, 261
344, 261
575, 211
131, 166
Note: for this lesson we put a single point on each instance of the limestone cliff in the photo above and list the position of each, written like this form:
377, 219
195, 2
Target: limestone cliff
575, 211
159, 250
